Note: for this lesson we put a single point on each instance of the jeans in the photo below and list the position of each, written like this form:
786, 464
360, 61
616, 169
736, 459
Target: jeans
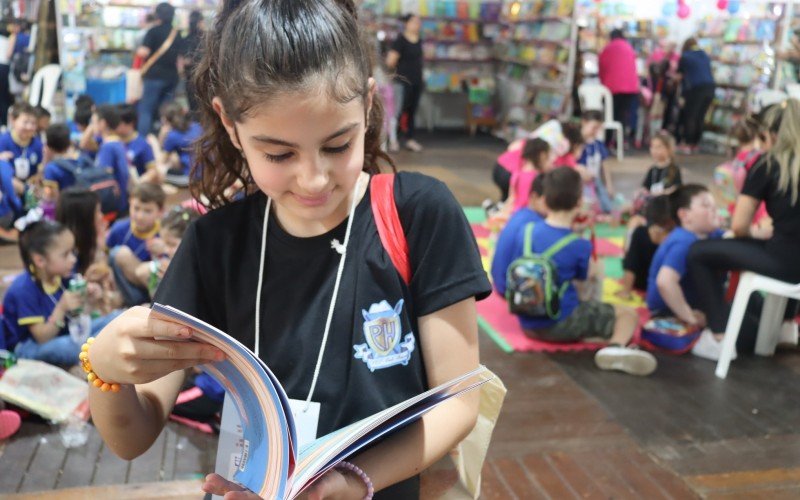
411, 96
693, 115
61, 350
131, 294
154, 94
626, 111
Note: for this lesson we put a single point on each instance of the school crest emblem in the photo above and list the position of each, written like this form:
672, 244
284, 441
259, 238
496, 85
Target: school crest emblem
383, 333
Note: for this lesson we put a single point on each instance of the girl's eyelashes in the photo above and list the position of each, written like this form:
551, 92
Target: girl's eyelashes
334, 150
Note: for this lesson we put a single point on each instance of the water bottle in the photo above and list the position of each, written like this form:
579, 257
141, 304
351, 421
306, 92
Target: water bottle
78, 320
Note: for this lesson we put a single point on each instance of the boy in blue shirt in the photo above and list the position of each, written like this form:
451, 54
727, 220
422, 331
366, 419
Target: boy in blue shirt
140, 153
60, 151
592, 158
21, 145
563, 191
669, 289
536, 211
112, 153
134, 240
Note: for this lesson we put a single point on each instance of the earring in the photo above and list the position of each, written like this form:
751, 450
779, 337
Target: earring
32, 269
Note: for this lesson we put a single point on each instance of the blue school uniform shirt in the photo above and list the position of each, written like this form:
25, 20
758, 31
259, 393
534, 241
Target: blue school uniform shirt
121, 233
593, 156
181, 143
32, 152
10, 202
140, 154
113, 154
572, 263
26, 303
504, 248
63, 178
672, 253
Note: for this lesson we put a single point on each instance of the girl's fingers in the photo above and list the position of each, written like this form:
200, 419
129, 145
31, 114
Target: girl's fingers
217, 485
177, 351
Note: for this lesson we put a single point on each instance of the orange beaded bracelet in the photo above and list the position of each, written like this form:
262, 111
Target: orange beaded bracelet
91, 376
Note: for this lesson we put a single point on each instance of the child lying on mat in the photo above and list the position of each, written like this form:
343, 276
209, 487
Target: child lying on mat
569, 258
642, 245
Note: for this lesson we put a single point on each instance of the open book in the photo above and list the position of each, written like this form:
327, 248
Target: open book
269, 461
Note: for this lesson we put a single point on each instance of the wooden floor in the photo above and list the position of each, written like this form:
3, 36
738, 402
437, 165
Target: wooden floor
567, 430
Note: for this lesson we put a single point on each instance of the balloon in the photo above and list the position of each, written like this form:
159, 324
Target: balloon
684, 11
669, 8
722, 4
733, 6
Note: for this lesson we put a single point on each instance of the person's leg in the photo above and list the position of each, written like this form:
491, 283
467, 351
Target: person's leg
166, 95
151, 92
414, 95
127, 262
691, 114
61, 351
708, 259
131, 293
639, 256
626, 320
705, 98
633, 116
6, 98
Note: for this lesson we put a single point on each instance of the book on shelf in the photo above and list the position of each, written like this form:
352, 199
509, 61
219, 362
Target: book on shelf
264, 454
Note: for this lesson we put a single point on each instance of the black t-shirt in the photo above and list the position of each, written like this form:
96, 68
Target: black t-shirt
639, 256
409, 66
762, 183
658, 175
166, 67
214, 277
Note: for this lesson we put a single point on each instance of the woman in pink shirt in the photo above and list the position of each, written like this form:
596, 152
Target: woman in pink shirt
618, 72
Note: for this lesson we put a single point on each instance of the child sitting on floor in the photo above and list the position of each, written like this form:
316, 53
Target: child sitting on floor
600, 186
669, 290
536, 211
563, 190
572, 133
664, 176
642, 246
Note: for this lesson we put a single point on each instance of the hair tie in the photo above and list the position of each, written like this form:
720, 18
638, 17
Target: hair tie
33, 216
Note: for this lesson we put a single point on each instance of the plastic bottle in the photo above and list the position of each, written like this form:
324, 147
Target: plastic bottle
78, 320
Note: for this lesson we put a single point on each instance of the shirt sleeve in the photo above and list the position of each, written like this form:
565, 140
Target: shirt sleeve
398, 45
27, 311
676, 257
583, 253
648, 180
678, 178
150, 41
172, 142
146, 157
758, 184
9, 193
114, 235
445, 262
182, 287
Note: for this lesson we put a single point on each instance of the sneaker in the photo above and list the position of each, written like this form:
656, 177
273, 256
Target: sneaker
625, 359
413, 145
789, 333
708, 347
394, 146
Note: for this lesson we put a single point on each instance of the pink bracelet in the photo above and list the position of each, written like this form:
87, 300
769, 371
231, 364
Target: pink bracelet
360, 473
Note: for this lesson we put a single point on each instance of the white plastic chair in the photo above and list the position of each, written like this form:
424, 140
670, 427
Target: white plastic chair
597, 96
793, 89
766, 97
43, 86
778, 293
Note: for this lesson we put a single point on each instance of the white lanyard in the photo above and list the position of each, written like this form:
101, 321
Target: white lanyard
342, 249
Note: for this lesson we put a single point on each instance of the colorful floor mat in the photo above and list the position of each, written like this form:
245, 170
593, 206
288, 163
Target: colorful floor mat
504, 328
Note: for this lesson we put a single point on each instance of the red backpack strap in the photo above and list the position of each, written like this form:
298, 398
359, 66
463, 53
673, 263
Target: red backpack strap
387, 220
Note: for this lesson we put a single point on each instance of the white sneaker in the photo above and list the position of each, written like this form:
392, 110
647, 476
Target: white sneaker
708, 347
625, 359
789, 333
413, 146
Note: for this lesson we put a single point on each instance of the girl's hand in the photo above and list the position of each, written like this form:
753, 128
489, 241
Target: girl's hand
136, 349
156, 246
94, 291
163, 264
70, 301
332, 486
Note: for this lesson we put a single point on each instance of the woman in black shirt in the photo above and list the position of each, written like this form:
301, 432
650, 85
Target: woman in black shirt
405, 57
769, 251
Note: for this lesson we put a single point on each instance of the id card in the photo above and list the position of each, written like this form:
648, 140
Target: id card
657, 188
306, 419
22, 168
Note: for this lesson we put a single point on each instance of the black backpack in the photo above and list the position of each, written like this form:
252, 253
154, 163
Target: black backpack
97, 179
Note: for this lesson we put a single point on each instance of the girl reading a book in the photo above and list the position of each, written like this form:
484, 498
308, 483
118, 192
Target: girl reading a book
297, 270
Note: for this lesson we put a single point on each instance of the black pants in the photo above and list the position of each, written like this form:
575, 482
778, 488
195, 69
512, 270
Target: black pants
693, 115
412, 92
709, 259
639, 256
6, 99
626, 107
502, 179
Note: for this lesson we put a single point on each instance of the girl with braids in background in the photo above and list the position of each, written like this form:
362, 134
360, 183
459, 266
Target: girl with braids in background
289, 109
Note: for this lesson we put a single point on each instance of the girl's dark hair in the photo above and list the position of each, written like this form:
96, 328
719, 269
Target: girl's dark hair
572, 133
682, 198
261, 49
177, 117
178, 219
195, 18
37, 238
748, 129
405, 18
76, 210
165, 13
533, 151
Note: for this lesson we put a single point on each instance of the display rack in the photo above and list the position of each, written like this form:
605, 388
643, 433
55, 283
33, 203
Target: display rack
536, 59
742, 61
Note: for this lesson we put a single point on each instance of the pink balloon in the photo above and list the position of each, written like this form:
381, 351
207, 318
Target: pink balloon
722, 4
684, 11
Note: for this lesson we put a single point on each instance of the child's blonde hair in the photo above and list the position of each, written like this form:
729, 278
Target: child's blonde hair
666, 139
